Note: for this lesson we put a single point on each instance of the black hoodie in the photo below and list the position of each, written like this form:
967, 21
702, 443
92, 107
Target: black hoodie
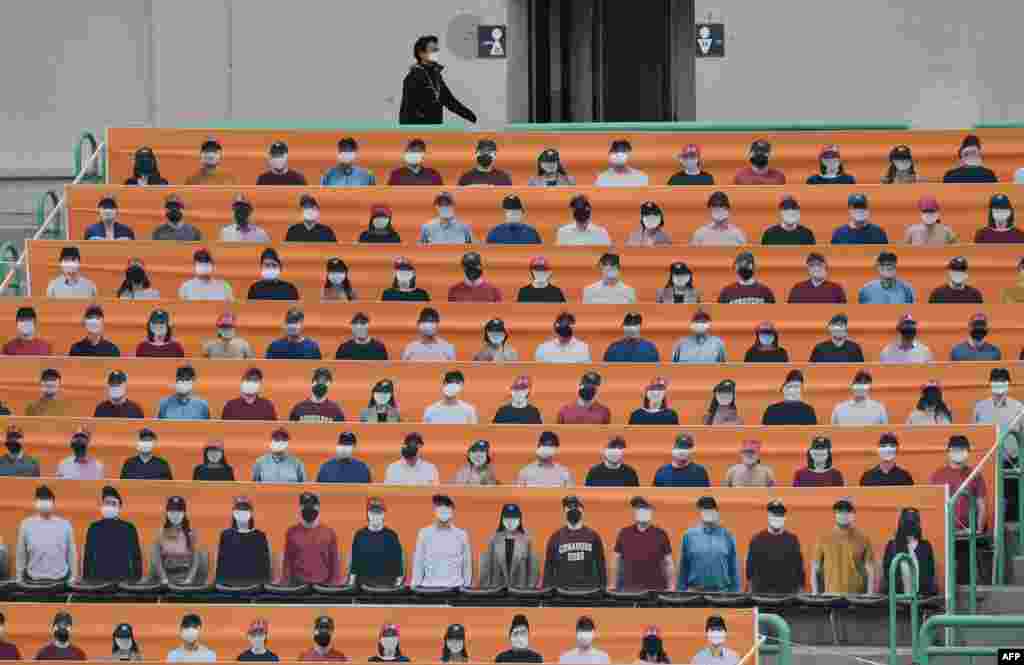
206, 471
425, 95
776, 354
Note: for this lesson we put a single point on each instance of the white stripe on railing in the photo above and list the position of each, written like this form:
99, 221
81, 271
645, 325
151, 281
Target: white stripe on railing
49, 220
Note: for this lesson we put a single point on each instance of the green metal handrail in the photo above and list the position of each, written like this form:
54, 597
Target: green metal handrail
1002, 475
911, 596
706, 126
80, 158
782, 649
926, 649
54, 232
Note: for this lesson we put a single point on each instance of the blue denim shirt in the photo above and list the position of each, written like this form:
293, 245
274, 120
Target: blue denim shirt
873, 293
193, 408
354, 176
708, 560
631, 350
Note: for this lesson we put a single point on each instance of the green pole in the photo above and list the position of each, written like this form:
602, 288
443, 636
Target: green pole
972, 523
999, 519
911, 595
785, 645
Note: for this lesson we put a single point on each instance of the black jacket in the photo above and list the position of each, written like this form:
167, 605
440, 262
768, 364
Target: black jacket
425, 96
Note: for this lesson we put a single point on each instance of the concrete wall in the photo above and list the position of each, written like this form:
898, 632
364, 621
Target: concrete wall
936, 64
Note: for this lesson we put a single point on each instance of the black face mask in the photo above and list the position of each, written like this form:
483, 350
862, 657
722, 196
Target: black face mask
145, 165
759, 160
319, 390
652, 645
485, 160
588, 392
242, 214
409, 451
908, 332
473, 272
931, 396
79, 448
978, 333
310, 513
136, 275
322, 638
581, 215
563, 330
62, 634
745, 273
13, 445
174, 214
574, 515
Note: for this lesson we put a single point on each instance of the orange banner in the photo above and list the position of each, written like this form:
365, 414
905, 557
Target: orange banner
865, 153
438, 268
478, 509
941, 327
347, 212
552, 630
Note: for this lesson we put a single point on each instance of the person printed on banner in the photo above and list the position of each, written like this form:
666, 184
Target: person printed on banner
1000, 227
27, 341
16, 462
278, 465
176, 556
930, 230
701, 346
708, 559
610, 289
789, 230
931, 409
450, 409
887, 473
191, 650
250, 405
444, 557
722, 408
971, 168
909, 539
652, 648
160, 342
310, 229
146, 169
953, 475
861, 410
540, 288
844, 558
513, 231
819, 471
118, 405
317, 408
243, 555
550, 171
361, 346
311, 552
792, 410
403, 287
478, 469
425, 95
720, 231
214, 467
108, 227
692, 168
277, 172
176, 228
446, 228
888, 289
620, 173
257, 634
338, 284
519, 650
612, 471
759, 172
585, 409
61, 648
271, 286
582, 231
902, 170
184, 404
80, 465
652, 227
380, 229
509, 561
564, 347
716, 653
136, 284
413, 172
474, 288
211, 154
518, 409
956, 289
429, 346
545, 471
775, 562
412, 469
818, 289
71, 283
766, 347
497, 347
46, 550
655, 409
204, 286
50, 403
346, 173
227, 344
453, 647
344, 467
680, 287
838, 348
485, 173
294, 345
908, 349
145, 465
751, 471
643, 553
831, 170
389, 650
94, 344
125, 648
632, 348
242, 229
575, 553
860, 230
585, 653
376, 557
383, 404
682, 471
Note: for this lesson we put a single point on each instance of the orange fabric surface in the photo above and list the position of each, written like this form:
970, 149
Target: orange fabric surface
855, 450
347, 211
477, 510
371, 268
552, 630
865, 153
941, 327
418, 385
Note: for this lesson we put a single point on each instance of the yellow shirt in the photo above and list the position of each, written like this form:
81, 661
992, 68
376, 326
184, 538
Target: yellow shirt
216, 178
48, 407
1014, 294
844, 556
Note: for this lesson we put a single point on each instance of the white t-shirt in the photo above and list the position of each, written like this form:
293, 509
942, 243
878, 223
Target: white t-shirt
460, 413
592, 656
200, 655
421, 473
197, 289
570, 234
852, 412
599, 293
630, 178
551, 351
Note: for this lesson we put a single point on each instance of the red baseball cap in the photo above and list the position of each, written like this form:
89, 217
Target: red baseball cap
830, 150
928, 203
750, 445
521, 383
380, 210
539, 263
226, 320
690, 149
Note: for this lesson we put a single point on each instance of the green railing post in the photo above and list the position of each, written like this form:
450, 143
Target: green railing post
911, 595
927, 650
81, 158
999, 521
54, 232
783, 650
972, 540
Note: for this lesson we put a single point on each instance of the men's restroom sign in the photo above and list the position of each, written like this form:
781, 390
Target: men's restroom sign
492, 41
710, 40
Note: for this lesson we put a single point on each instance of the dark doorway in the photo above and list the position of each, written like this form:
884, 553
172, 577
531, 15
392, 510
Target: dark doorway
611, 60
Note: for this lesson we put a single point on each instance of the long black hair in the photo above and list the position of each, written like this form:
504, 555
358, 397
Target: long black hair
155, 175
398, 649
127, 284
891, 172
134, 648
1009, 221
713, 405
170, 330
346, 285
185, 527
501, 524
908, 526
691, 285
547, 151
659, 657
940, 405
446, 654
376, 388
828, 460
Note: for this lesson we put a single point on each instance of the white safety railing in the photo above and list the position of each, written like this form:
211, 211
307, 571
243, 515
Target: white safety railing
48, 221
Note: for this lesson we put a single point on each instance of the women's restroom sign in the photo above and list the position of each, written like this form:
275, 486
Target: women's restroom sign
492, 41
710, 40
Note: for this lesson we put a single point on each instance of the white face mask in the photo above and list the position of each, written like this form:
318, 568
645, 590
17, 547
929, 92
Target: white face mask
691, 165
428, 328
446, 212
716, 637
94, 326
844, 518
766, 339
250, 387
819, 457
123, 643
790, 218
958, 456
510, 523
1000, 388
69, 267
861, 389
519, 398
859, 215
720, 215
610, 274
929, 218
724, 399
144, 446
497, 339
44, 505
380, 399
585, 638
278, 446
709, 516
343, 452
190, 635
175, 517
183, 387
643, 515
375, 520
293, 329
1001, 214
655, 397
681, 280
478, 459
546, 452
791, 393
389, 644
109, 512
346, 157
887, 453
681, 454
413, 158
210, 158
258, 642
337, 278
381, 223
618, 158
443, 514
454, 646
520, 640
902, 164
242, 516
541, 278
887, 272
108, 215
614, 455
651, 222
630, 331
837, 332
831, 165
203, 269
513, 216
818, 273
360, 330
278, 163
404, 277
270, 274
310, 214
26, 328
117, 392
776, 522
700, 328
957, 276
549, 167
452, 389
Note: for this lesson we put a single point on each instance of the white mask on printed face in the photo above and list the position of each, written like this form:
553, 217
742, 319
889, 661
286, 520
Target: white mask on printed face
346, 157
117, 392
144, 446
1000, 388
452, 389
250, 387
651, 222
790, 218
643, 515
183, 387
26, 328
108, 215
618, 158
681, 454
94, 326
861, 389
413, 158
859, 215
510, 523
681, 280
546, 452
958, 456
203, 269
716, 637
190, 635
520, 398
109, 511
278, 163
428, 328
614, 455
278, 446
929, 218
375, 520
242, 516
478, 459
720, 215
310, 214
700, 328
791, 392
513, 216
655, 397
776, 522
270, 274
541, 278
343, 452
44, 506
381, 399
887, 453
404, 277
69, 267
443, 514
585, 638
724, 399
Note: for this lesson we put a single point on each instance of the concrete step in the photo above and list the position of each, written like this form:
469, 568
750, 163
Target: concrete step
845, 656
